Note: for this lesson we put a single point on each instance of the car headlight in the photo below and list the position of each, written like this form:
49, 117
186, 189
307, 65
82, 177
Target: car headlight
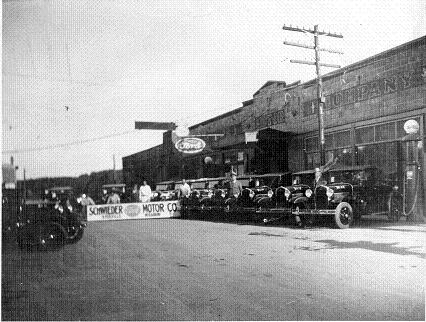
308, 193
329, 193
223, 194
251, 194
210, 194
395, 188
79, 199
270, 193
70, 208
155, 194
56, 206
61, 209
235, 195
53, 195
287, 193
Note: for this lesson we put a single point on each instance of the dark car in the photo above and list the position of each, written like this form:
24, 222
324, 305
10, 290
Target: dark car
352, 192
50, 222
203, 192
119, 188
256, 189
164, 191
291, 194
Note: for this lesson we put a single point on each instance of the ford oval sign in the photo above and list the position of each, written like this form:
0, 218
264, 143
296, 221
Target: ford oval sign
190, 145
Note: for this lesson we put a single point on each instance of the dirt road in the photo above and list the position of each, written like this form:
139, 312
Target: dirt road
172, 269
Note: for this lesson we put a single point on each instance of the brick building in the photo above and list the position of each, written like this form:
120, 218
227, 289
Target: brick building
366, 107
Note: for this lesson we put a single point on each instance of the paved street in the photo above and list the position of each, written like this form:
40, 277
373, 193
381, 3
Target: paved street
172, 269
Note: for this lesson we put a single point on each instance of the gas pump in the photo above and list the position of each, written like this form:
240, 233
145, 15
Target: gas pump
412, 192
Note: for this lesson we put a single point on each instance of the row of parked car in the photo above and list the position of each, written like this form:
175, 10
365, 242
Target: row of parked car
349, 193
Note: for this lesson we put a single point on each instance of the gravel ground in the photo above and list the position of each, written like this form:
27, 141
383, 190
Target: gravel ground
173, 269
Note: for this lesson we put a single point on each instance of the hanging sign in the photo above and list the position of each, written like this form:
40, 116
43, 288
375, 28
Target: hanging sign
190, 145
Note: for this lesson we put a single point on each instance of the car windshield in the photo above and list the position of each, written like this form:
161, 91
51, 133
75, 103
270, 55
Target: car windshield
213, 183
303, 178
198, 185
352, 176
162, 187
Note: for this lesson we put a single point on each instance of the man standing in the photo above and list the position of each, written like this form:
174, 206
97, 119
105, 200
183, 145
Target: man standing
113, 197
184, 190
183, 195
145, 192
235, 187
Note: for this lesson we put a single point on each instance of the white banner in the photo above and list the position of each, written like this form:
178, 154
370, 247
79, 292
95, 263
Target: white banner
143, 210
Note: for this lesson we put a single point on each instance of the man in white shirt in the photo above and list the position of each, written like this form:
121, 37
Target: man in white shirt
145, 192
184, 189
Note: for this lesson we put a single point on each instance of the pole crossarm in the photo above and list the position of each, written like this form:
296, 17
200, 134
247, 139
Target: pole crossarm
312, 31
313, 63
312, 47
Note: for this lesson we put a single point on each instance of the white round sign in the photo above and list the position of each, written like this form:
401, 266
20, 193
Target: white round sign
411, 127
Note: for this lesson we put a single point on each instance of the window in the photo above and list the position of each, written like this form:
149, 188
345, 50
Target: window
382, 155
385, 132
364, 135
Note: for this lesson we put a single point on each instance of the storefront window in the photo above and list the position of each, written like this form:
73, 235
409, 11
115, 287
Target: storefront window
342, 139
382, 155
364, 135
385, 132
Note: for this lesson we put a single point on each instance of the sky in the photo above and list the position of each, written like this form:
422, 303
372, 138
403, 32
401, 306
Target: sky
76, 75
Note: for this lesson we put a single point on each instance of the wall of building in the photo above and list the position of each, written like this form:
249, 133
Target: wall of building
386, 88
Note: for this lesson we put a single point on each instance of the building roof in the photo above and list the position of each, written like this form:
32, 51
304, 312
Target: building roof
270, 82
367, 61
235, 111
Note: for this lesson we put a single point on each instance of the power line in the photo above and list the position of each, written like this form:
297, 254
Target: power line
63, 145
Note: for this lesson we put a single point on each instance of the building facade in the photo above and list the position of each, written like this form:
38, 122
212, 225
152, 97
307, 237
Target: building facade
366, 107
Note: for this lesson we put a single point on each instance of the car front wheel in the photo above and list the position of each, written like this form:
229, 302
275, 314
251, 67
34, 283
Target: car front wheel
51, 237
343, 215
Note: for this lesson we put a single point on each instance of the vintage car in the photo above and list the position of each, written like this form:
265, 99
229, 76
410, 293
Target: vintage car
164, 190
119, 188
287, 198
352, 192
203, 191
50, 222
256, 189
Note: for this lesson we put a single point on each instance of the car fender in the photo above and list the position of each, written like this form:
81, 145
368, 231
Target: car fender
299, 200
57, 224
264, 201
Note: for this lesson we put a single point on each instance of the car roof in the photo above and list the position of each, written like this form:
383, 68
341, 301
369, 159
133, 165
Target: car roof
112, 185
165, 182
310, 171
266, 175
353, 168
60, 188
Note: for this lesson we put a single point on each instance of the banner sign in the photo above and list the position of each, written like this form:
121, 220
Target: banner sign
143, 210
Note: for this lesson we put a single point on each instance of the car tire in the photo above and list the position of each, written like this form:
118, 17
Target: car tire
76, 236
51, 237
394, 205
343, 215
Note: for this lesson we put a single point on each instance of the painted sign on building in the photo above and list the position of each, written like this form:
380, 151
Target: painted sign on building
124, 211
367, 91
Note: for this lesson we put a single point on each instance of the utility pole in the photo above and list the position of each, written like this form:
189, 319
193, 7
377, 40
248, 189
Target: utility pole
113, 168
320, 96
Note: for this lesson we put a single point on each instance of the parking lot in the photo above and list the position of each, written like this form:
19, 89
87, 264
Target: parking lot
173, 269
